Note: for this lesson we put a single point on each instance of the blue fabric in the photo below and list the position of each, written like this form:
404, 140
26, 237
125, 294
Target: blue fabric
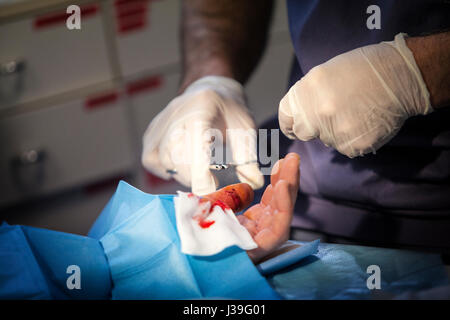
33, 264
139, 253
288, 258
340, 272
400, 194
139, 236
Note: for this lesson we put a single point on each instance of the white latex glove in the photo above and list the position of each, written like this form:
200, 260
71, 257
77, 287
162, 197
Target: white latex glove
177, 138
357, 101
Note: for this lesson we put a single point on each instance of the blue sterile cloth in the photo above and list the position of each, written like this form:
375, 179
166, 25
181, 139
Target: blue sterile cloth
138, 233
133, 252
34, 262
288, 258
340, 272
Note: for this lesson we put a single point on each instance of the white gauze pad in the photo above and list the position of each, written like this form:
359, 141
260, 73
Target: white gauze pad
206, 229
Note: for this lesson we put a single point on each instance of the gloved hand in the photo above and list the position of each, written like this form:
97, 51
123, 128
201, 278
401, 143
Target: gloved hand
178, 139
357, 101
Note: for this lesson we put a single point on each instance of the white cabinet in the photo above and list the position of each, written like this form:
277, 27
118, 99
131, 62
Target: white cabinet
63, 146
74, 104
53, 59
148, 95
146, 34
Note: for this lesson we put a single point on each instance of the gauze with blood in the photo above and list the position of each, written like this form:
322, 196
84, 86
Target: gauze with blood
206, 228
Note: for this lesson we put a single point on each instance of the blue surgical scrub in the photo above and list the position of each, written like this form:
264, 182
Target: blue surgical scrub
401, 195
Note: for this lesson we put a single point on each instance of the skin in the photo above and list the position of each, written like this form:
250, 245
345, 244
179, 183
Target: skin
432, 55
227, 38
236, 196
223, 38
269, 221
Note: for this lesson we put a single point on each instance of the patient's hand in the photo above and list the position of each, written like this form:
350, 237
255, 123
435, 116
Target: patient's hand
269, 221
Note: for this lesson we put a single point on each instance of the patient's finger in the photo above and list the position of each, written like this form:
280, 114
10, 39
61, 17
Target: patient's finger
249, 224
275, 173
290, 172
253, 212
237, 196
284, 209
267, 195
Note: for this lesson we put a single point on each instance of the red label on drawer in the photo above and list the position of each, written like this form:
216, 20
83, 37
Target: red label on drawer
146, 84
101, 100
130, 23
61, 17
130, 7
131, 14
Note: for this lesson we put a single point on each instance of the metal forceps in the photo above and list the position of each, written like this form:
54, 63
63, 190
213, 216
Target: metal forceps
216, 166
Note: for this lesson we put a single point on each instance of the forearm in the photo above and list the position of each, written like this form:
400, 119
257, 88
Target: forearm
432, 55
223, 37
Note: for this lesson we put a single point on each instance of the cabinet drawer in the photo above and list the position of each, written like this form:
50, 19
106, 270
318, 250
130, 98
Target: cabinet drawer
64, 146
149, 94
148, 100
146, 33
52, 58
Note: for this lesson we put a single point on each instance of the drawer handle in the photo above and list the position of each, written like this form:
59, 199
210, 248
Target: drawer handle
11, 80
12, 67
28, 170
29, 157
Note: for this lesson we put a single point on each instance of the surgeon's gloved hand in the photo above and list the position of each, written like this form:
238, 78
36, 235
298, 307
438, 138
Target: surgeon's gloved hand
357, 101
178, 141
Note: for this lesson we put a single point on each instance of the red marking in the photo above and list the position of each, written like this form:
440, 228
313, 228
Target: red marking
135, 23
235, 197
124, 8
101, 100
190, 195
219, 204
131, 15
144, 85
205, 224
61, 17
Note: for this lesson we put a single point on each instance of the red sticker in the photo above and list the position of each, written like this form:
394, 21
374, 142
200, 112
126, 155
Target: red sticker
101, 100
144, 85
131, 15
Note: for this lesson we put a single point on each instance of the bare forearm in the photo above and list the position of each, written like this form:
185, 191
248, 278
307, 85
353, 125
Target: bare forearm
432, 55
223, 37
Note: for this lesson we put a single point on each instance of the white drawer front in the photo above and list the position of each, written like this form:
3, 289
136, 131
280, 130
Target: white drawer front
148, 101
147, 35
78, 142
148, 96
54, 58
